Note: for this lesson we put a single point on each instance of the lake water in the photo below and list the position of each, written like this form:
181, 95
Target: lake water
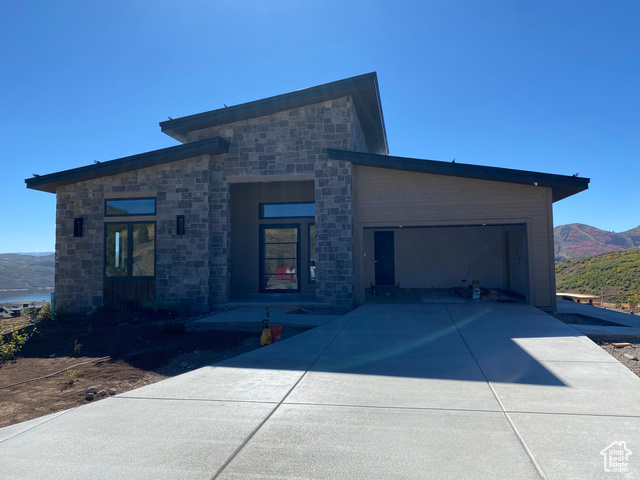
25, 296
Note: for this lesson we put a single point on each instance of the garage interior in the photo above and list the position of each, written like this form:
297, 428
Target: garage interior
409, 262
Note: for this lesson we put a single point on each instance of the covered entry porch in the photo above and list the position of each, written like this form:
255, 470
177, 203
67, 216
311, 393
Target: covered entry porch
272, 240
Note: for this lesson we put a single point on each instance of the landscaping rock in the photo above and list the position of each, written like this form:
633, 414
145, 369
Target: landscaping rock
92, 390
89, 396
630, 357
112, 391
102, 393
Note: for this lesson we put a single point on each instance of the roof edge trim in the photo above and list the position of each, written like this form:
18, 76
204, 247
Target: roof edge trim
562, 186
50, 182
363, 89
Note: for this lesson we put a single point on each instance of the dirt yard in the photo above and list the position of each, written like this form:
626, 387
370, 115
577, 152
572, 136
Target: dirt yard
140, 351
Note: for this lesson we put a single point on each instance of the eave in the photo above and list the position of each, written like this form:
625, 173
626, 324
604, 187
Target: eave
562, 186
363, 89
51, 182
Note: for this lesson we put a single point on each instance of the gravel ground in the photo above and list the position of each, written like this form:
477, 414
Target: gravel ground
621, 353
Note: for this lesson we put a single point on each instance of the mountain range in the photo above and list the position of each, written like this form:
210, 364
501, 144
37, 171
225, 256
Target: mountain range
577, 240
26, 271
615, 275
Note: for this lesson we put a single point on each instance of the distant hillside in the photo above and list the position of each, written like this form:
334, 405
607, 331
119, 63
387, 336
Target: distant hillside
577, 240
26, 271
618, 274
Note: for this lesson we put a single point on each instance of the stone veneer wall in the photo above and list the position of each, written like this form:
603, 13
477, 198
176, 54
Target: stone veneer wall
182, 262
193, 270
295, 142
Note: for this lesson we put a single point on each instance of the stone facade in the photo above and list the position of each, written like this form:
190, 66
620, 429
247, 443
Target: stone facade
295, 142
193, 269
182, 261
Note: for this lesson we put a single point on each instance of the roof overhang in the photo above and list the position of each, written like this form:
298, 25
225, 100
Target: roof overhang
562, 186
363, 89
51, 182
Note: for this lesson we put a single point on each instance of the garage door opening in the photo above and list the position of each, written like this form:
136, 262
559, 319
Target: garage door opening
447, 257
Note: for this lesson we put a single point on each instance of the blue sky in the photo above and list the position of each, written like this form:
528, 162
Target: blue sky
551, 86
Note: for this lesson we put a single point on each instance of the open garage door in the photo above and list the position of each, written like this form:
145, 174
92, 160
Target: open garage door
442, 257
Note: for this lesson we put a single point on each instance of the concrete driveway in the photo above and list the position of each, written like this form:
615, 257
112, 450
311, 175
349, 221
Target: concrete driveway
439, 391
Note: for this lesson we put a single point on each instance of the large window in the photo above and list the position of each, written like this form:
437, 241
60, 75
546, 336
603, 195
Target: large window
312, 252
279, 248
130, 249
287, 210
130, 206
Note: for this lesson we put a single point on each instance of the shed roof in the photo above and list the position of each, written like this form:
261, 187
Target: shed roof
363, 89
562, 186
50, 182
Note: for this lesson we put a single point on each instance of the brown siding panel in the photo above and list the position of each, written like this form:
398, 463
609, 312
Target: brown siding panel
386, 197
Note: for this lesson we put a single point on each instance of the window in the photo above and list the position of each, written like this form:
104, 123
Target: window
312, 252
279, 247
117, 250
287, 210
130, 206
130, 249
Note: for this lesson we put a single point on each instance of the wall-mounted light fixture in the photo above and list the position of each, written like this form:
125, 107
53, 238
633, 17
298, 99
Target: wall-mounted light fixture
180, 225
77, 227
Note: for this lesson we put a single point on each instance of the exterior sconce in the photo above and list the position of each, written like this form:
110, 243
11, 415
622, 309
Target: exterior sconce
77, 227
180, 225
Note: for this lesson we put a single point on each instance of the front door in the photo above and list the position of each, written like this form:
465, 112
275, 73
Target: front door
129, 270
279, 258
384, 258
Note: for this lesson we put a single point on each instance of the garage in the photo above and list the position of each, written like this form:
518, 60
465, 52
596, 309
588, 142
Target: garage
419, 224
444, 257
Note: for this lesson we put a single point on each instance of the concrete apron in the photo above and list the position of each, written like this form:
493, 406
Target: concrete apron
387, 391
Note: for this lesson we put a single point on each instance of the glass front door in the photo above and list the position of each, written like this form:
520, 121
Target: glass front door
279, 262
129, 267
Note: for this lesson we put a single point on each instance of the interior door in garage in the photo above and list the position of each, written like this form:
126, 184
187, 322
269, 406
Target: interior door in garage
384, 258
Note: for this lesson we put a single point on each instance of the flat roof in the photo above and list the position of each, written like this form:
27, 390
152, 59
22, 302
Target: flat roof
50, 182
363, 89
562, 186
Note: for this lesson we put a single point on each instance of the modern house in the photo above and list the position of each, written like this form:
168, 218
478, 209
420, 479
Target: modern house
296, 194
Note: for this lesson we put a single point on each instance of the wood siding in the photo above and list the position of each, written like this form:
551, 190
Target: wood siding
390, 198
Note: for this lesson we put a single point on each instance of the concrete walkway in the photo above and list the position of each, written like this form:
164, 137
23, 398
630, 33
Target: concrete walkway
622, 324
438, 391
280, 316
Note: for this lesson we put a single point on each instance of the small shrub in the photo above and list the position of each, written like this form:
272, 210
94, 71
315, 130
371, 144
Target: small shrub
634, 299
12, 343
45, 312
173, 328
71, 376
30, 312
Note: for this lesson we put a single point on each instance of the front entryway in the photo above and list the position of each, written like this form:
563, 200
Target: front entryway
129, 270
272, 238
279, 258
